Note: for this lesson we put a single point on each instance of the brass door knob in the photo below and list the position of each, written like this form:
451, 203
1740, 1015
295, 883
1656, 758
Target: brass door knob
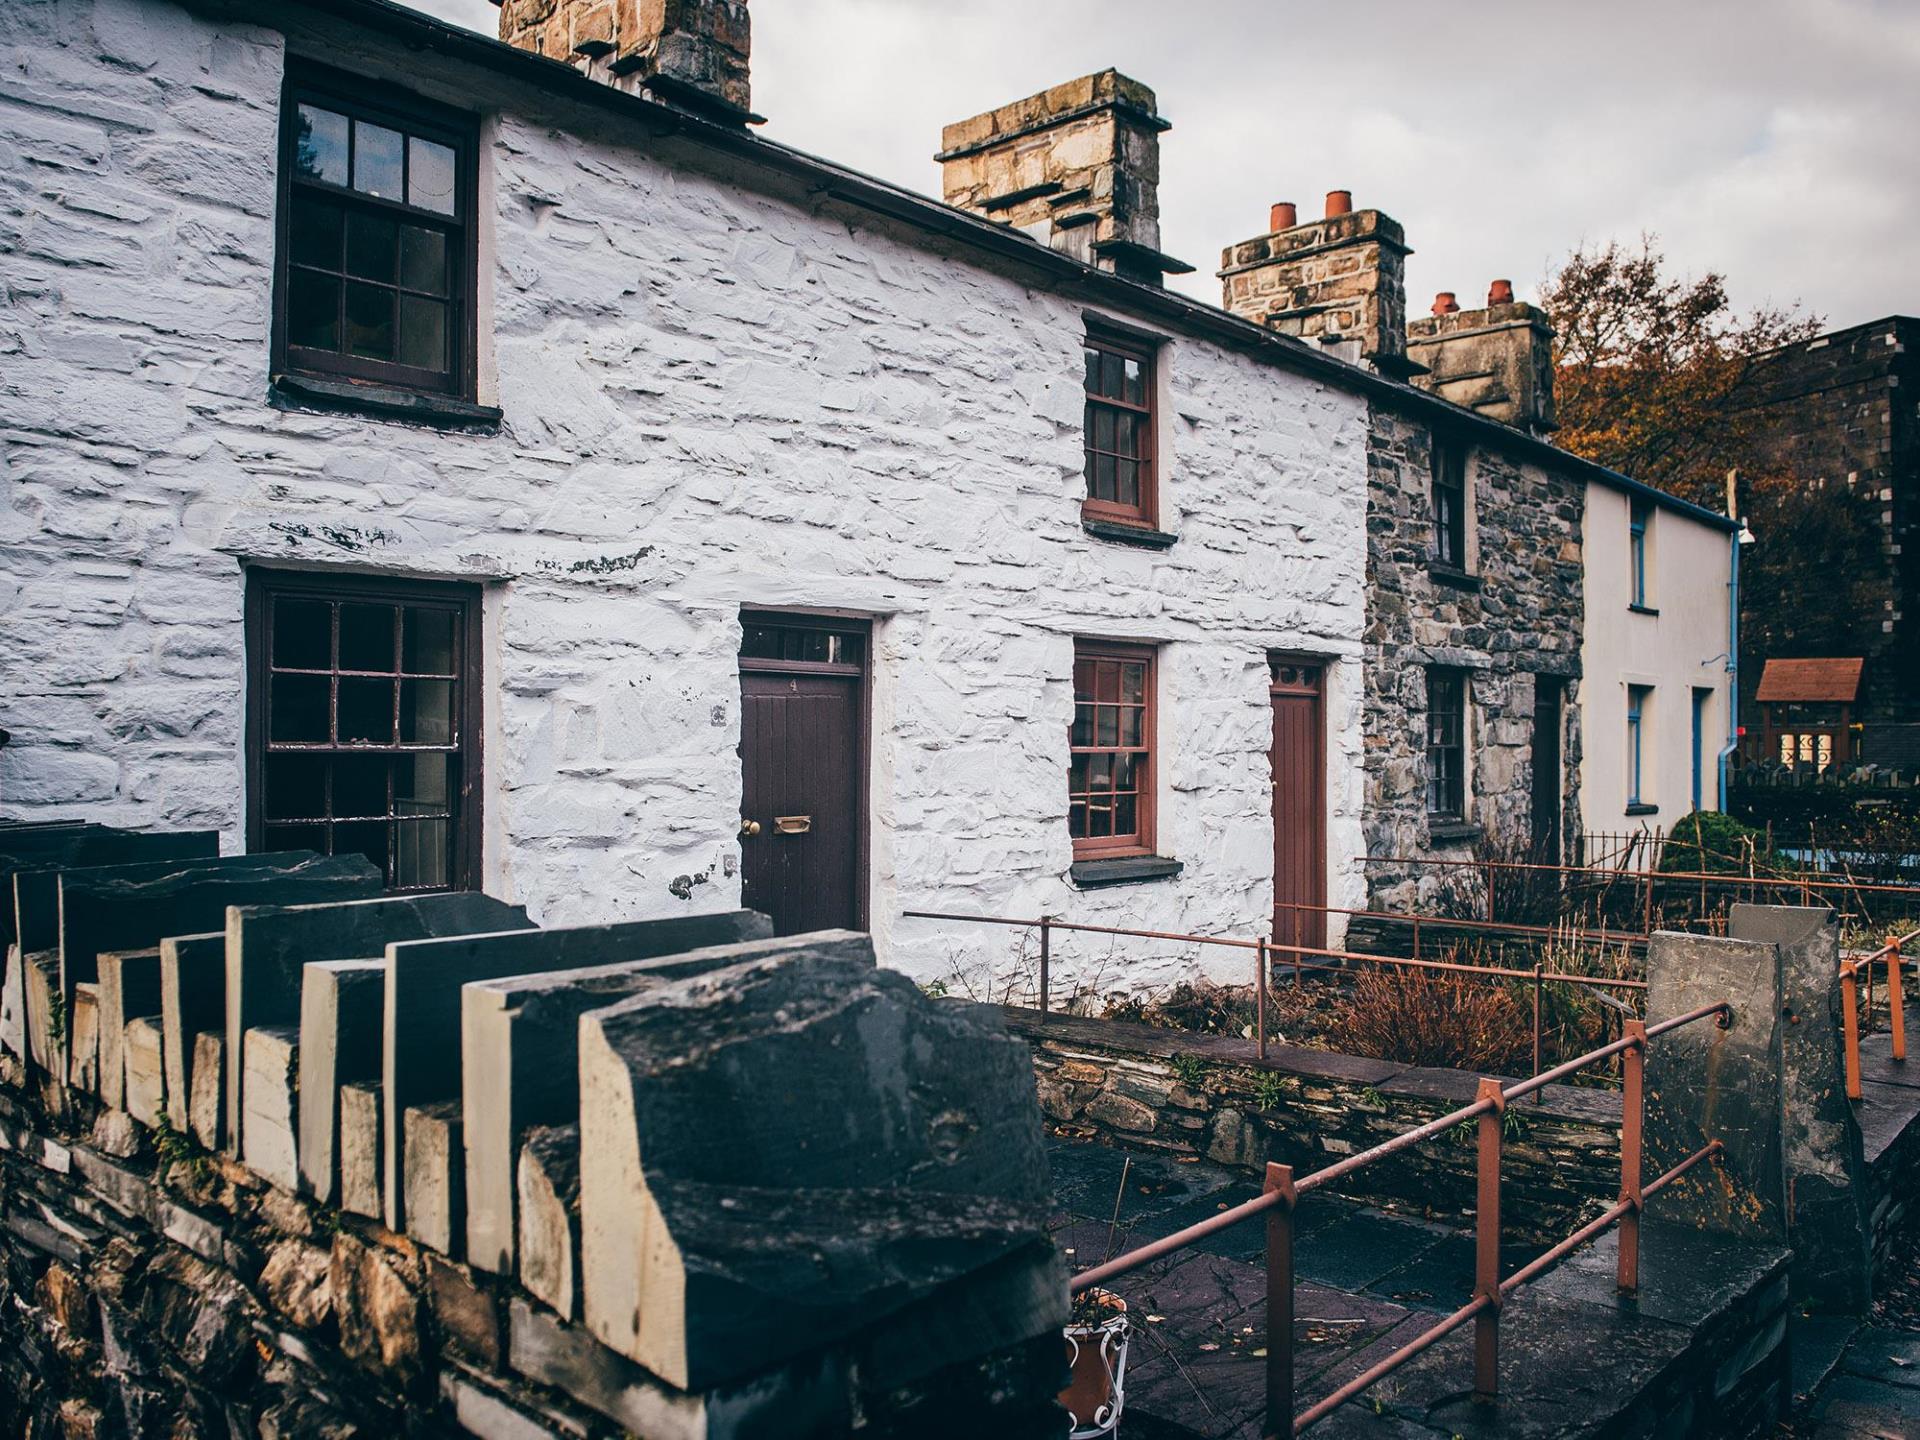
749, 827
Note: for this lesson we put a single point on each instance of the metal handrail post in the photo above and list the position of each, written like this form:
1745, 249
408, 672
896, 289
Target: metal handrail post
1850, 1025
1260, 999
1280, 1301
1486, 1244
1046, 957
1896, 1001
1633, 1105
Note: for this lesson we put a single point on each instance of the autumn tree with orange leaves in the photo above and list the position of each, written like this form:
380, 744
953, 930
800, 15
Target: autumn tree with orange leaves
1652, 377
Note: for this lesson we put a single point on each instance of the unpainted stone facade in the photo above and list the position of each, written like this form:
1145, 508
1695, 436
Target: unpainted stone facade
1516, 615
718, 391
1497, 361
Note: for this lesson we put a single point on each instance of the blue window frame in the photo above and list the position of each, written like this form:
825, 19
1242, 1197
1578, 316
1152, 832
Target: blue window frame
1640, 516
1636, 740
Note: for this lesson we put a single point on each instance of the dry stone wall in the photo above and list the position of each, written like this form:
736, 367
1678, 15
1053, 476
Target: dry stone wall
750, 1204
717, 392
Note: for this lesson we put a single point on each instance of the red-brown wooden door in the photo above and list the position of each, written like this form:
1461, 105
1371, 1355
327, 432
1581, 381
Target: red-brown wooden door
1299, 804
802, 747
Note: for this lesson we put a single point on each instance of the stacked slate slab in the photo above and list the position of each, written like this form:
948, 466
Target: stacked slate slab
795, 1148
519, 1038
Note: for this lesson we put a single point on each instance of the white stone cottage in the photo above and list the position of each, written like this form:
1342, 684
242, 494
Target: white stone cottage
533, 479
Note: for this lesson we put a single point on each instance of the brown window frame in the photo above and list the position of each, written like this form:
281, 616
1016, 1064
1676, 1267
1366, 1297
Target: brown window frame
1448, 493
266, 588
1449, 790
1146, 514
1140, 840
384, 104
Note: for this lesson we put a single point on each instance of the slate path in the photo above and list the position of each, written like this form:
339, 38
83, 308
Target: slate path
1369, 1281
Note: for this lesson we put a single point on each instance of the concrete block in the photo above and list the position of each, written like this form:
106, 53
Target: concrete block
549, 1217
340, 1003
268, 946
193, 988
933, 1172
361, 1150
1827, 1185
420, 1058
271, 1124
1704, 1083
129, 986
435, 1179
519, 1043
207, 1105
145, 1087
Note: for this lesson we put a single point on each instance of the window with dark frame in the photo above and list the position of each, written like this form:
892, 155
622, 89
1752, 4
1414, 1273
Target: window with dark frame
1446, 743
1119, 440
375, 273
1449, 465
1637, 699
1639, 521
1111, 744
362, 723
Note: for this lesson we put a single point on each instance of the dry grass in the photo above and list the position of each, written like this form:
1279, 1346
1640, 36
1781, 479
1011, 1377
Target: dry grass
1423, 1017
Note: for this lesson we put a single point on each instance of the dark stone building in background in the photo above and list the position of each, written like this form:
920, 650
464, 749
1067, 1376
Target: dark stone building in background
1844, 410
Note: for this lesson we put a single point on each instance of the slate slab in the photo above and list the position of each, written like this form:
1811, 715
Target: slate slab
271, 1122
131, 907
361, 1149
1820, 1139
193, 990
435, 1180
83, 1025
340, 1004
1705, 1083
30, 863
129, 986
519, 1042
549, 1217
145, 1086
268, 943
207, 1105
13, 1003
46, 1011
421, 1057
713, 1252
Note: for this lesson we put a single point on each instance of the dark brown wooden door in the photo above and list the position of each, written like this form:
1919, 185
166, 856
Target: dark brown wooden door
1299, 804
1546, 770
802, 747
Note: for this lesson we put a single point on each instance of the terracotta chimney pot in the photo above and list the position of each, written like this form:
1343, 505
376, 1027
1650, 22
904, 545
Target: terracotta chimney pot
1339, 202
1284, 216
1446, 303
1501, 293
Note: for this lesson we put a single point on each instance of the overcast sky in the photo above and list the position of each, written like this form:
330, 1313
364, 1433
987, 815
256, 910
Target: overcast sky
1774, 140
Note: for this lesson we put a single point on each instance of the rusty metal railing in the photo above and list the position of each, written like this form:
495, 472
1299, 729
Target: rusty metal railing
1314, 957
1852, 1013
1282, 1193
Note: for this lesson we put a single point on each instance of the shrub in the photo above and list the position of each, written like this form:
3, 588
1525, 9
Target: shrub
1426, 1017
1718, 845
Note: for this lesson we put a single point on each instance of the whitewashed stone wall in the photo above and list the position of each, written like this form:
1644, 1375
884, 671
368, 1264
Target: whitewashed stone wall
716, 394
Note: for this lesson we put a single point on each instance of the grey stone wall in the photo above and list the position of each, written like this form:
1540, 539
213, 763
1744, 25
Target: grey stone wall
1519, 616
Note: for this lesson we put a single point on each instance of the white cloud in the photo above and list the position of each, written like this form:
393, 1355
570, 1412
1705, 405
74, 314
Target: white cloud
1769, 139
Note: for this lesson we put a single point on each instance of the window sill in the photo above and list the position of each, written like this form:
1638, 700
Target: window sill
1451, 831
385, 402
1641, 610
1643, 809
1142, 536
1458, 579
1126, 870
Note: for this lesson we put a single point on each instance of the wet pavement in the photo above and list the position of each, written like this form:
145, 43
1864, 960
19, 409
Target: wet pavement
1368, 1280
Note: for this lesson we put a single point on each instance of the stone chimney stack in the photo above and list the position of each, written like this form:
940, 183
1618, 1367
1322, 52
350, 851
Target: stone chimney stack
1077, 167
1498, 360
1339, 280
690, 53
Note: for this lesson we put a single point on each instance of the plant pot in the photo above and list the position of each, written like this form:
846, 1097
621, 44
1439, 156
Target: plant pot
1097, 1352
